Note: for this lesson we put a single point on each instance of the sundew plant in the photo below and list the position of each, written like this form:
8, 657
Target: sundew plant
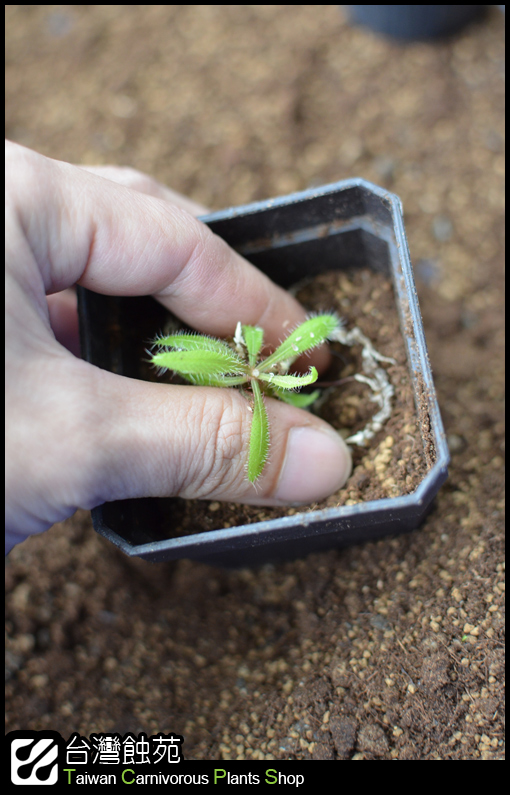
206, 361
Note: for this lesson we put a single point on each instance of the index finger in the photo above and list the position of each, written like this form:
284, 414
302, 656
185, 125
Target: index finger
88, 230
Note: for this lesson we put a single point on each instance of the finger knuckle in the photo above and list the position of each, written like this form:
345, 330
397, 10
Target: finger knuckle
224, 433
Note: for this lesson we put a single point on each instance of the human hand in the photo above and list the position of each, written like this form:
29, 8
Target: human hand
78, 436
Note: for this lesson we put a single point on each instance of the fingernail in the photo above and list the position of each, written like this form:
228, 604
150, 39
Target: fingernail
317, 463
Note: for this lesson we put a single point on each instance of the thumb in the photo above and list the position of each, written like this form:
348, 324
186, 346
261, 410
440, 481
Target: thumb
193, 441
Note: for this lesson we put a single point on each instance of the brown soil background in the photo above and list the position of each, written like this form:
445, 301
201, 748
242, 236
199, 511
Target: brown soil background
391, 650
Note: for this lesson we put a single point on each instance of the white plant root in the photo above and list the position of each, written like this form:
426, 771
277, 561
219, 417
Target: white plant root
375, 377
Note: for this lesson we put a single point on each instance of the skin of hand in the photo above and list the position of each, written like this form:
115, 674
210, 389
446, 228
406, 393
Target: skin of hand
78, 436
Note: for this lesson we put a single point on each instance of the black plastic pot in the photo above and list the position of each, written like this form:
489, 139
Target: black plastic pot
415, 22
348, 224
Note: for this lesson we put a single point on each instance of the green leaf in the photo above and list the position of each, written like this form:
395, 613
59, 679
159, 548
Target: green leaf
308, 335
253, 337
259, 435
290, 381
216, 380
200, 362
184, 341
301, 401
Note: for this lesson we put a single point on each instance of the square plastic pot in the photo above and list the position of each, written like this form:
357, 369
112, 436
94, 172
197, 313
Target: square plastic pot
346, 225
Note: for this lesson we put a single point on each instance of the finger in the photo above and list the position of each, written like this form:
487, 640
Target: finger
136, 439
131, 178
136, 180
193, 442
63, 306
89, 230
